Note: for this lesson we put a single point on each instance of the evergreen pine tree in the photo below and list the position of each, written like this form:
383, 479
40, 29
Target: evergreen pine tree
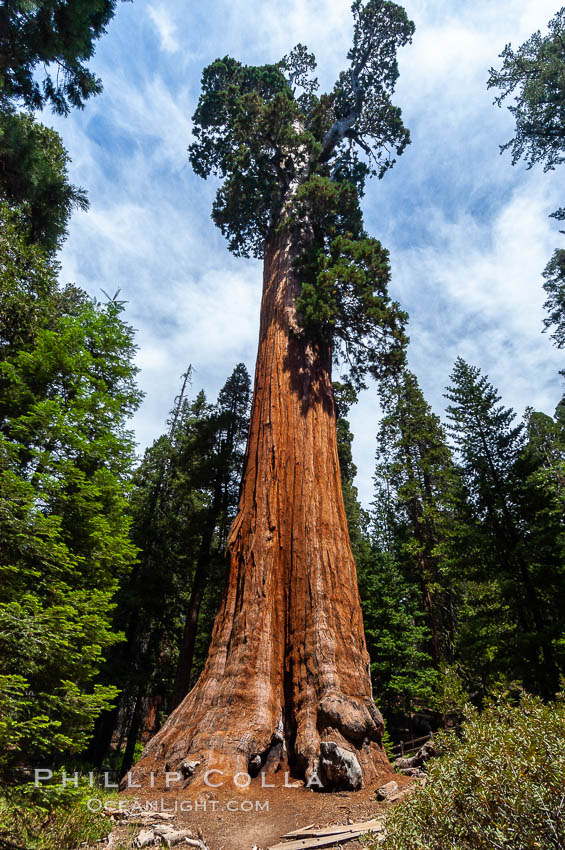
413, 480
66, 390
489, 446
184, 498
34, 181
397, 637
221, 479
554, 275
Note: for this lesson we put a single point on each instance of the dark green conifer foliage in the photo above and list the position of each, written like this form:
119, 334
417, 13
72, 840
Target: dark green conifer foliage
396, 634
258, 127
554, 286
29, 286
165, 506
148, 601
66, 389
344, 302
414, 477
44, 48
357, 519
541, 504
34, 179
220, 477
486, 437
536, 71
489, 446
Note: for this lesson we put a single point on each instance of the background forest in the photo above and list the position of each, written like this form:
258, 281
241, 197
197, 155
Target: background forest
112, 565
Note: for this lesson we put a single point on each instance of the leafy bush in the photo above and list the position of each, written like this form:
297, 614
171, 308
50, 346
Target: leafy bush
501, 784
50, 817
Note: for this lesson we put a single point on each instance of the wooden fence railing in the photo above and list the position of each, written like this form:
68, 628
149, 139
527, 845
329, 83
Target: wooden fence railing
406, 748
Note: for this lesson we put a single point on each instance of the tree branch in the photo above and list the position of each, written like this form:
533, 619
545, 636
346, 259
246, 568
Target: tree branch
340, 128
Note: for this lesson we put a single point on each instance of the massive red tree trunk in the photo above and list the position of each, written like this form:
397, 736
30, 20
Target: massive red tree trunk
288, 667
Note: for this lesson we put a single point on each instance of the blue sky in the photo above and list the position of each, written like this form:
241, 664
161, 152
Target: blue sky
469, 235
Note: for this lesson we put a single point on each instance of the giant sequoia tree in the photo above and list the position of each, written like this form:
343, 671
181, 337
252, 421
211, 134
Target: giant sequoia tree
287, 674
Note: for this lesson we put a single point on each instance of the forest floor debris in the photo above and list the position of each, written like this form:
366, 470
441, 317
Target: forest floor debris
281, 818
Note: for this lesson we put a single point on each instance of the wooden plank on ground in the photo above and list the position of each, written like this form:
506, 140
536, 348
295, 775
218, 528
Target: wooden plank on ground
298, 832
322, 841
318, 832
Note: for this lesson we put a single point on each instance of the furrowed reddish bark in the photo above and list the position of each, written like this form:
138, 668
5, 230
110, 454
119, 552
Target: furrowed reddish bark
287, 666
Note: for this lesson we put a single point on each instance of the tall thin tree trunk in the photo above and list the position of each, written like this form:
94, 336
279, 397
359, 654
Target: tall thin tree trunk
133, 732
429, 608
287, 666
190, 631
99, 745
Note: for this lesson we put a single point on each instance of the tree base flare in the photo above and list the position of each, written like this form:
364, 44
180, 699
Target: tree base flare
182, 757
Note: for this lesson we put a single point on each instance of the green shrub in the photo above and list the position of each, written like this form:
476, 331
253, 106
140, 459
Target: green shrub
50, 817
501, 784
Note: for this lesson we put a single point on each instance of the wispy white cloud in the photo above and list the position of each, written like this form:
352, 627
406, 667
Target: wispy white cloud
165, 27
475, 290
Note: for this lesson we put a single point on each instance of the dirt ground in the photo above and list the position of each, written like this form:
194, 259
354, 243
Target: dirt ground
230, 819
